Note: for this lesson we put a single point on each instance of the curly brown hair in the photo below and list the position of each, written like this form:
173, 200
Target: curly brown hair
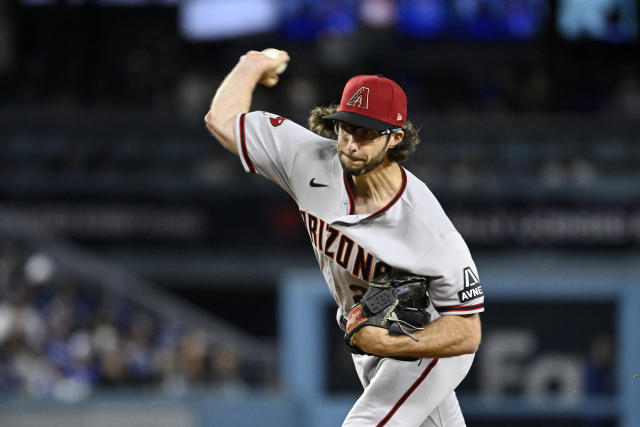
399, 153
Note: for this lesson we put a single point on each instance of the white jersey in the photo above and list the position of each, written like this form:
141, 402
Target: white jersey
410, 234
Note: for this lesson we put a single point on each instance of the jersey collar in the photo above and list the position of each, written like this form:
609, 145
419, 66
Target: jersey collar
352, 204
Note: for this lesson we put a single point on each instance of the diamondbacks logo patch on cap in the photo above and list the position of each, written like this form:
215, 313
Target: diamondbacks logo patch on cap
360, 98
472, 287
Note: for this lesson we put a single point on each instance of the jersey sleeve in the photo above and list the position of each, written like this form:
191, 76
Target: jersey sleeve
268, 145
455, 286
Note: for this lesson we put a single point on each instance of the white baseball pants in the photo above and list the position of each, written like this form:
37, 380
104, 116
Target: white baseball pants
408, 394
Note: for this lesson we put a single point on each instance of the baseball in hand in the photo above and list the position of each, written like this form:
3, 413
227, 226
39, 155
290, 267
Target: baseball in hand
275, 54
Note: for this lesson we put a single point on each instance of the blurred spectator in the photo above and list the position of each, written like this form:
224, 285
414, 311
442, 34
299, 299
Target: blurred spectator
191, 358
226, 375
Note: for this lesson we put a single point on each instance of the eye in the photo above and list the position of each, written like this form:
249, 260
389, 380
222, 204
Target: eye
366, 135
348, 128
369, 134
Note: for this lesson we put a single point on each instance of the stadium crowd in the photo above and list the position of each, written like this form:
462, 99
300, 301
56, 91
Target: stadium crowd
61, 337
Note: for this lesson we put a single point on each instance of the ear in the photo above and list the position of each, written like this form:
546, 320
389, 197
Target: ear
396, 138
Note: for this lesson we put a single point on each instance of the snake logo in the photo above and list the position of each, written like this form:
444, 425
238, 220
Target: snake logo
276, 121
360, 98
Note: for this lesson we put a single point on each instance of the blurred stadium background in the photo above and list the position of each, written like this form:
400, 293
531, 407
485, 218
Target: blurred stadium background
144, 281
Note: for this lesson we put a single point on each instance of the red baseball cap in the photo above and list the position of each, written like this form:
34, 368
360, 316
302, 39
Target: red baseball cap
372, 102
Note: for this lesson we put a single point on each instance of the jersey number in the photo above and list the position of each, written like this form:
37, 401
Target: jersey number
358, 292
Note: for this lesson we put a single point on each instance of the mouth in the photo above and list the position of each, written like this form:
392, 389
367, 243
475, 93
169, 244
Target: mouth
352, 158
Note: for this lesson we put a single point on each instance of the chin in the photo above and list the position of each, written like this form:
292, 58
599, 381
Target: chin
352, 171
364, 168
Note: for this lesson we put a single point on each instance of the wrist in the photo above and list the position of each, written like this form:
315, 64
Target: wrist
248, 71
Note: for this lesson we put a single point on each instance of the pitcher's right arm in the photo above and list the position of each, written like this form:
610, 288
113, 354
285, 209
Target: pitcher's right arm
234, 94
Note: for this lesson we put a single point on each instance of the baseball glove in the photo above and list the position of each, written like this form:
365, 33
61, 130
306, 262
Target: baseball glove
398, 304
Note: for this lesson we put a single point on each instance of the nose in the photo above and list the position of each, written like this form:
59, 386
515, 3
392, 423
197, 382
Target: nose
351, 143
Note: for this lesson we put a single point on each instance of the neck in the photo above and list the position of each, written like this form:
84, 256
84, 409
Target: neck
375, 189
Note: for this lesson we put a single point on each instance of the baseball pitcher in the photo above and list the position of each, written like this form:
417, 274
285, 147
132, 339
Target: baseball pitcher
406, 287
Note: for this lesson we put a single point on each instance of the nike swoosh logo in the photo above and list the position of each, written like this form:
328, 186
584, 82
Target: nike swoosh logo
313, 183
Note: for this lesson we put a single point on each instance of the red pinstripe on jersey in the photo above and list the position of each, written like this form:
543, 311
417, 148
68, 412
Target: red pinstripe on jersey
406, 395
397, 196
243, 144
347, 185
460, 308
